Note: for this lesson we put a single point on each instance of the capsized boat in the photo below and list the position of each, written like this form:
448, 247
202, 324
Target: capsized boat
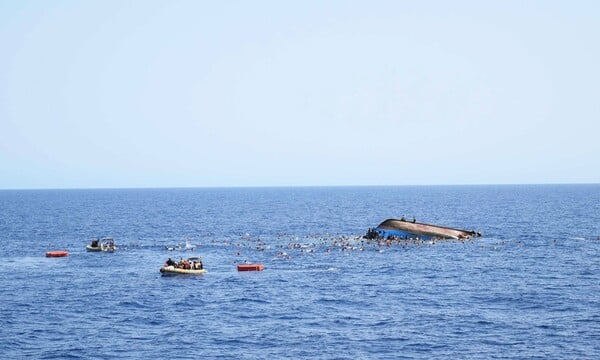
191, 266
404, 229
104, 244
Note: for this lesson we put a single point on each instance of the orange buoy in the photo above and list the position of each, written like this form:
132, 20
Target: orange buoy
250, 267
58, 253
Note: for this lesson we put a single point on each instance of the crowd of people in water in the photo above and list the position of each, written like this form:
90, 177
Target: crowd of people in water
282, 247
285, 246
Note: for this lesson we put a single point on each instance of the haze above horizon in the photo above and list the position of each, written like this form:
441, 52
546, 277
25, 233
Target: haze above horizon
155, 94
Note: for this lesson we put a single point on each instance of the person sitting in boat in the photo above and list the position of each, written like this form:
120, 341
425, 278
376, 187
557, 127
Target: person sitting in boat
95, 243
170, 262
184, 264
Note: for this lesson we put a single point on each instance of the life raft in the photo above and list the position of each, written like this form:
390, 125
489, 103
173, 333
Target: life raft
57, 253
250, 267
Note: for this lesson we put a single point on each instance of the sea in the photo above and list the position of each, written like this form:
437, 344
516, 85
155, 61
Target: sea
529, 288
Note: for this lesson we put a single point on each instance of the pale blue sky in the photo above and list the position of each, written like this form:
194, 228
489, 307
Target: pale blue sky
286, 93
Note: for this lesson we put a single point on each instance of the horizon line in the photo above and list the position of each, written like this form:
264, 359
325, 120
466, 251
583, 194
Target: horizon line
283, 186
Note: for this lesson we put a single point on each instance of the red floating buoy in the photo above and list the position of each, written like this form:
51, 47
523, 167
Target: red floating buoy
250, 267
58, 253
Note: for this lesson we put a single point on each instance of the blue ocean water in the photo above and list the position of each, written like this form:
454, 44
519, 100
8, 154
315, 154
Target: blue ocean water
528, 289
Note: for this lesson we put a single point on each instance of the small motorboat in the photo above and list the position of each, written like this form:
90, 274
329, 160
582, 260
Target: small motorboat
171, 270
191, 266
106, 244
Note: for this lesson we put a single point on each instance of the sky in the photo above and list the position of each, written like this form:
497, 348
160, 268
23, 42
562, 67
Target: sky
119, 94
